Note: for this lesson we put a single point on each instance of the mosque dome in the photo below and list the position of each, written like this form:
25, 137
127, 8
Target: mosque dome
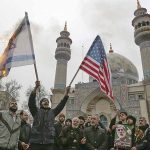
122, 66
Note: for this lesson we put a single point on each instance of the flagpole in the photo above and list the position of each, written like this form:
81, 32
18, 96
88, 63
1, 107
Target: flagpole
74, 76
30, 39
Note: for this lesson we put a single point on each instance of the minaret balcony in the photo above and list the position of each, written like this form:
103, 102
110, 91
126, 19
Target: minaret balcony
63, 54
142, 29
142, 34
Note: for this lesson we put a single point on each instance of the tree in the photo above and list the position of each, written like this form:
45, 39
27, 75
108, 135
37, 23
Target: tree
41, 94
12, 87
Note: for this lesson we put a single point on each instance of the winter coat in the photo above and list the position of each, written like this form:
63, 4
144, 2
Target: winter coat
145, 145
96, 138
43, 131
58, 128
24, 134
9, 130
70, 138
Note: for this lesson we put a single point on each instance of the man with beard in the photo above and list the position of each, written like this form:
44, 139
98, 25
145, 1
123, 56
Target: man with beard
58, 127
10, 127
143, 124
96, 137
43, 131
71, 136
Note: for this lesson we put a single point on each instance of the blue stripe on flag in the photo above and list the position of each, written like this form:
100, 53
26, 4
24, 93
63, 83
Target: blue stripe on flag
20, 58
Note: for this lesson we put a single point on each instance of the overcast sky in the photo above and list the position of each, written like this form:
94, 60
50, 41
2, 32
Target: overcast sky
111, 19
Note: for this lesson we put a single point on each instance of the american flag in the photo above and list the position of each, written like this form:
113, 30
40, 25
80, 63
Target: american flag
96, 65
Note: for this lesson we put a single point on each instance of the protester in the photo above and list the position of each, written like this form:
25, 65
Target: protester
122, 115
81, 123
96, 137
88, 121
131, 121
24, 131
145, 145
43, 131
58, 127
68, 122
143, 124
10, 127
71, 136
100, 123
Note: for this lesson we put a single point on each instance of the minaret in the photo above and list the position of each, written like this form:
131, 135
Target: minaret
62, 55
111, 50
141, 24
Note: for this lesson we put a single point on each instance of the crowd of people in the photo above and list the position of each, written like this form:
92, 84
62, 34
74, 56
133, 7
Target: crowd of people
78, 133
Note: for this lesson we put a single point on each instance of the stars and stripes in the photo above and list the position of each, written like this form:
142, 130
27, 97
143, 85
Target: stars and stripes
96, 65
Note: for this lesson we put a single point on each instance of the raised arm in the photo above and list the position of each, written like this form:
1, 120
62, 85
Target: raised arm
32, 99
62, 103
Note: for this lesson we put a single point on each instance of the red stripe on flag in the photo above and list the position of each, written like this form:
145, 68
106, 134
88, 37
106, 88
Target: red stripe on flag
90, 67
92, 62
89, 72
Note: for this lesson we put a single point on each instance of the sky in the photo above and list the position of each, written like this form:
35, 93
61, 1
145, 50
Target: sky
111, 19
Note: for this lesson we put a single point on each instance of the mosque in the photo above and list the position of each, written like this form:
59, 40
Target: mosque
129, 93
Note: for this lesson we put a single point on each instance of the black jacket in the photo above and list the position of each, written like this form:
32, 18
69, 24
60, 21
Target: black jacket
58, 128
96, 138
43, 131
70, 137
145, 145
25, 131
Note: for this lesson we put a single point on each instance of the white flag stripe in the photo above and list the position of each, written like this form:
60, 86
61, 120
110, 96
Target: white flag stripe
86, 61
19, 63
21, 47
90, 70
93, 60
19, 51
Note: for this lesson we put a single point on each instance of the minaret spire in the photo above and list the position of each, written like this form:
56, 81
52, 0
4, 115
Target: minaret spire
62, 55
111, 50
65, 28
138, 4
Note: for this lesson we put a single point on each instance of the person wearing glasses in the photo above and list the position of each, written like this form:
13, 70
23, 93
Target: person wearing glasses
10, 127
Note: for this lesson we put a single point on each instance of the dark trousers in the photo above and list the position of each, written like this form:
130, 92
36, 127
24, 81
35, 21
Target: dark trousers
41, 147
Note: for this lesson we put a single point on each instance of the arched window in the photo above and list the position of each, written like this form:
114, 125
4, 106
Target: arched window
147, 23
143, 23
139, 25
104, 120
64, 44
